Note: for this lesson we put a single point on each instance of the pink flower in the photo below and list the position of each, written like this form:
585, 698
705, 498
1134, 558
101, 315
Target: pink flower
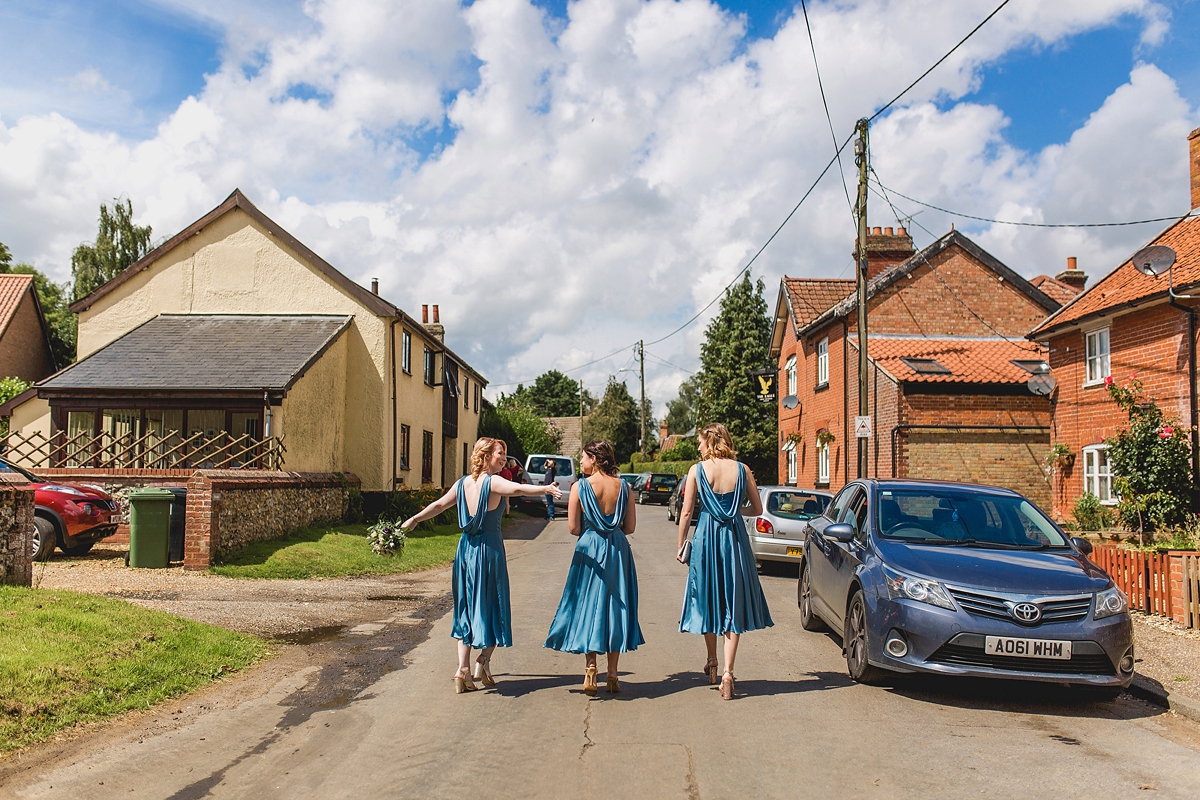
1108, 381
1166, 432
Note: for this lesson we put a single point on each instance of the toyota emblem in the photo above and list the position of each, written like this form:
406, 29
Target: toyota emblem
1026, 613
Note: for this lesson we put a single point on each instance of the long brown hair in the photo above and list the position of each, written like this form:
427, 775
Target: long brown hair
484, 447
717, 440
602, 452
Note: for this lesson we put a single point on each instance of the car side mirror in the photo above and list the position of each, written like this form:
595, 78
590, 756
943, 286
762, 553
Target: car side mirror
840, 531
1082, 545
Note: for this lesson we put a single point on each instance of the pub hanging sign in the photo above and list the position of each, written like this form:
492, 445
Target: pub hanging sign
764, 384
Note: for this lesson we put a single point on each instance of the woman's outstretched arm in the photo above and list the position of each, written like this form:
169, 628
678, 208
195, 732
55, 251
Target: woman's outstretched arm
506, 488
433, 509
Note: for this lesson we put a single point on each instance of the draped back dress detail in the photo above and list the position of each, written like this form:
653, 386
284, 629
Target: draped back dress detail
598, 612
723, 592
482, 613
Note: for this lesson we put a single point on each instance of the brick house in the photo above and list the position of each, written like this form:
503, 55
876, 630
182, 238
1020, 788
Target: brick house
24, 345
948, 368
1125, 324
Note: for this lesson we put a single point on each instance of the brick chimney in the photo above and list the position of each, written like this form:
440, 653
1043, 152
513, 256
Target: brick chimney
374, 285
662, 432
1072, 276
1194, 161
887, 248
435, 328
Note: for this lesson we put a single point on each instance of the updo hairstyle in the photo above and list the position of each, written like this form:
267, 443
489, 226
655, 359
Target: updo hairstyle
602, 452
717, 440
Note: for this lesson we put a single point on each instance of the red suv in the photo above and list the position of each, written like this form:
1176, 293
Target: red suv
73, 516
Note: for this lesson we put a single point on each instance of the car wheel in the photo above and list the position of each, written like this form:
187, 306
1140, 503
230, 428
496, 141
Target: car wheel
855, 641
79, 549
670, 513
641, 498
808, 620
45, 537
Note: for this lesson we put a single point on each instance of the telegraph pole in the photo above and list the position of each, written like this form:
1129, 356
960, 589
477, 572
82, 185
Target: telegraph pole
860, 158
642, 406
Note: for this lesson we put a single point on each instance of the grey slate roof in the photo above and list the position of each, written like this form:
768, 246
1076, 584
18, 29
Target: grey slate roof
207, 351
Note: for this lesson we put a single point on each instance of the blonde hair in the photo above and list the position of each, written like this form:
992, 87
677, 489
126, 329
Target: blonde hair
484, 447
717, 441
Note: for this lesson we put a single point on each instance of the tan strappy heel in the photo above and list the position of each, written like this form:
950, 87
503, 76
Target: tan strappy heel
727, 686
710, 669
589, 680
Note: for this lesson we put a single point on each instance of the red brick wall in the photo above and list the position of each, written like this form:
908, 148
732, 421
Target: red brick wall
1151, 342
113, 480
24, 352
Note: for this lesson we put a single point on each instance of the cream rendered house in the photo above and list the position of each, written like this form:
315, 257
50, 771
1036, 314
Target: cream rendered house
235, 325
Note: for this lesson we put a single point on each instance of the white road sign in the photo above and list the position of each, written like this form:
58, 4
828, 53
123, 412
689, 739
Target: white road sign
862, 427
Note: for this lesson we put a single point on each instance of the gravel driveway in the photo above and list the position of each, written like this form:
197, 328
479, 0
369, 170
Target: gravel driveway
1168, 653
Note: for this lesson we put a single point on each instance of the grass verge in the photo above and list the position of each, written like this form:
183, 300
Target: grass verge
68, 658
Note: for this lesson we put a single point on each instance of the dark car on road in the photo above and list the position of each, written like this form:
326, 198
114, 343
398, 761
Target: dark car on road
959, 579
675, 503
654, 487
70, 516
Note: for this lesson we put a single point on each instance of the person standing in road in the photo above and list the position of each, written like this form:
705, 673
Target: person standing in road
509, 474
550, 477
482, 614
598, 610
723, 593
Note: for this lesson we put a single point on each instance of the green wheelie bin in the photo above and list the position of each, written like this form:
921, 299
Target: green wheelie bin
149, 527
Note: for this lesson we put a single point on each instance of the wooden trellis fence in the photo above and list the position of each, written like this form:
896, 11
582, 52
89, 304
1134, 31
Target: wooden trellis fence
169, 450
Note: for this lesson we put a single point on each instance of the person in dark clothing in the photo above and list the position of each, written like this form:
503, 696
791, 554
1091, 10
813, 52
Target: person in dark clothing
551, 476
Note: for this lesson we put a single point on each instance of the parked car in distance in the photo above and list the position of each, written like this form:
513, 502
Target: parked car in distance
630, 478
565, 477
655, 487
70, 516
956, 579
778, 533
675, 503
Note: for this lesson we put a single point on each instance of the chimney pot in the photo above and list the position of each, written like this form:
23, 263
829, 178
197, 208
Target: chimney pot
1072, 276
1194, 161
424, 315
887, 231
901, 232
374, 285
1071, 262
436, 318
877, 231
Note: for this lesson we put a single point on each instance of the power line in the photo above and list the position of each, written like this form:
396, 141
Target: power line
828, 118
1029, 224
669, 364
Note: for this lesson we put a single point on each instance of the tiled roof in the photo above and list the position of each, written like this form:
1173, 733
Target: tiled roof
812, 297
12, 291
206, 352
1054, 289
1126, 285
969, 360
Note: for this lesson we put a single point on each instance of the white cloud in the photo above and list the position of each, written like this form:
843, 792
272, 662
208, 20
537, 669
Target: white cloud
608, 174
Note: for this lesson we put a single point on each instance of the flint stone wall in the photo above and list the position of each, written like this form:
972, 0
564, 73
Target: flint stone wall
16, 531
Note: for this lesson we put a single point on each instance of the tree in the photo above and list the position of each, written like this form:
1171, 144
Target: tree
736, 343
494, 424
681, 412
118, 244
9, 388
529, 428
615, 420
553, 394
52, 297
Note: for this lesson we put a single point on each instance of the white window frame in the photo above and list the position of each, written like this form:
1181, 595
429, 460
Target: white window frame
823, 362
823, 463
1097, 475
791, 374
1097, 364
791, 466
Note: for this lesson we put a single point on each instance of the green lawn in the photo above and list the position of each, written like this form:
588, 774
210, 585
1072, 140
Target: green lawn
68, 658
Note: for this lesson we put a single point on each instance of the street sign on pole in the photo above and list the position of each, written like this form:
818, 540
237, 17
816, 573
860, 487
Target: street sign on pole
862, 427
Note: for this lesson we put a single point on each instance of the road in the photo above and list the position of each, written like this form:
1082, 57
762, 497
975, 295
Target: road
799, 728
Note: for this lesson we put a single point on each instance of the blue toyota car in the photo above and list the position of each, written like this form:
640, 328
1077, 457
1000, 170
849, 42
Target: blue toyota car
958, 579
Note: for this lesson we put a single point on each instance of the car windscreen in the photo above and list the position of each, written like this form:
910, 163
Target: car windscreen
629, 477
964, 517
663, 481
796, 505
562, 466
29, 476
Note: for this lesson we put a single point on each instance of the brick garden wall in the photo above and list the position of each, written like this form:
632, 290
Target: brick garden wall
118, 482
16, 531
228, 509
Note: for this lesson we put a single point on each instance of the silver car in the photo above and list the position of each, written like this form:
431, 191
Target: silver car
778, 533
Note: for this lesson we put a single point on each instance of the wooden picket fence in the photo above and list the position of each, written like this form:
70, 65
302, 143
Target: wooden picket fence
1191, 591
1145, 578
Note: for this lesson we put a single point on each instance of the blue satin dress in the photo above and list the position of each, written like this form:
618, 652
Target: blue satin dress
482, 616
598, 610
723, 593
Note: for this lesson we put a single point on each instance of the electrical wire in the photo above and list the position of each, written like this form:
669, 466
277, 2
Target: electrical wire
828, 117
669, 364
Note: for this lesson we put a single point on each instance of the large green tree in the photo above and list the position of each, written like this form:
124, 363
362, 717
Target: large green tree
532, 433
736, 343
53, 299
553, 394
118, 244
681, 412
615, 420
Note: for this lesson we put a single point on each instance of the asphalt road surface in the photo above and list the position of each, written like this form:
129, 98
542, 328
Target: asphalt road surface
799, 727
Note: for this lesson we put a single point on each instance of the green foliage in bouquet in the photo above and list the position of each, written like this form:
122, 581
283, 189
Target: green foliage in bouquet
387, 538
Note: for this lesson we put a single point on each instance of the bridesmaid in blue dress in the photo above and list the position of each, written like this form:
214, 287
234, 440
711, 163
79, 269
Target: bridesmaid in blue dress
598, 611
482, 618
723, 593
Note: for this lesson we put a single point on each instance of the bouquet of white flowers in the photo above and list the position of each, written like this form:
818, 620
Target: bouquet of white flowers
387, 538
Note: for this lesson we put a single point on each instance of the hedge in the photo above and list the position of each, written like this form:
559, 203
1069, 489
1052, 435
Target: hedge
679, 468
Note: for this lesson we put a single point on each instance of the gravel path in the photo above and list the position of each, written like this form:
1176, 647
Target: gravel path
289, 610
1168, 653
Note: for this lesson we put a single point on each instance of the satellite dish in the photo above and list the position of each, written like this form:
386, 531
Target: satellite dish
1154, 260
1041, 384
790, 402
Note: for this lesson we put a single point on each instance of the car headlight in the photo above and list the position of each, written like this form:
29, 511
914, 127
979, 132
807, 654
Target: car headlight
1110, 602
67, 490
913, 588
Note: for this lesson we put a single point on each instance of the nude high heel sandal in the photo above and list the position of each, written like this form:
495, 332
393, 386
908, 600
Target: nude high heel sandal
589, 681
710, 669
727, 686
483, 674
612, 686
463, 683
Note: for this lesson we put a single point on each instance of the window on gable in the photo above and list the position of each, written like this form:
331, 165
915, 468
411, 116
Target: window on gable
823, 362
791, 375
1099, 366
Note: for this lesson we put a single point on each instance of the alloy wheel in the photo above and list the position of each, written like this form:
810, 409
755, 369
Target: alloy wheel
857, 664
808, 620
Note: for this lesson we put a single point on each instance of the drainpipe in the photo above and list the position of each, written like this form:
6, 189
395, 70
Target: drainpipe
1192, 402
392, 368
846, 399
266, 415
